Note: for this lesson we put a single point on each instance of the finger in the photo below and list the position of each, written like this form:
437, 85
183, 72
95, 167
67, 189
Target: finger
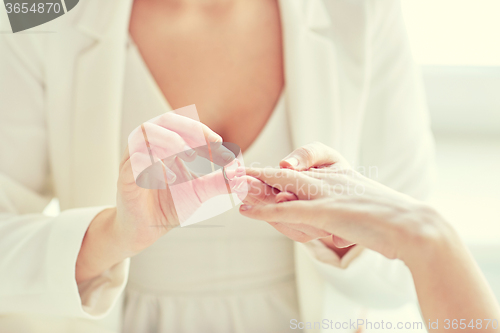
156, 174
239, 186
194, 132
165, 143
285, 196
309, 230
300, 211
232, 172
341, 242
293, 234
303, 186
367, 223
158, 141
214, 184
218, 154
312, 155
259, 192
304, 218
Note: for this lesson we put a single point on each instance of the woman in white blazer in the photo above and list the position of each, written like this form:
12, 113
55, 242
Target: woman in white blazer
350, 83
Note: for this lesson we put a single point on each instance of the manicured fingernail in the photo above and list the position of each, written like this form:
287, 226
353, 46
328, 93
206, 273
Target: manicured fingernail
292, 161
245, 207
226, 156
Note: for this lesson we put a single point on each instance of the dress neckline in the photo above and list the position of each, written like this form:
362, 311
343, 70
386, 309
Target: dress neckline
166, 105
278, 112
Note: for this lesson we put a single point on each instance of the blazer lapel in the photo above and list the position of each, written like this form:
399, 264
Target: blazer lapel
313, 109
98, 93
326, 82
327, 71
310, 72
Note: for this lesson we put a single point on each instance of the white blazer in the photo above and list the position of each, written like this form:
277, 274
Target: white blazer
351, 83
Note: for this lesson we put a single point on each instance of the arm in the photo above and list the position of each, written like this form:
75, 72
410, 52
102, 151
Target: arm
363, 275
448, 281
75, 264
396, 148
449, 284
38, 253
396, 143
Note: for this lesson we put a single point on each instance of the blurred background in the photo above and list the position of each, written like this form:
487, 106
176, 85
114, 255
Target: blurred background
457, 44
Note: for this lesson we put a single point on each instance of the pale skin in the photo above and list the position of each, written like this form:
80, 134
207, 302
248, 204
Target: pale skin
212, 53
448, 281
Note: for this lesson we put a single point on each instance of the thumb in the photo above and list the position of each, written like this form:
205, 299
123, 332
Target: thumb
312, 155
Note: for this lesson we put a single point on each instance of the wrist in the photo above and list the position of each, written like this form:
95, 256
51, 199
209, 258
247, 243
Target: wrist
428, 235
102, 247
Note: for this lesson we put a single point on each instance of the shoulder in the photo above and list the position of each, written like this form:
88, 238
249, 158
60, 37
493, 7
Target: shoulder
34, 46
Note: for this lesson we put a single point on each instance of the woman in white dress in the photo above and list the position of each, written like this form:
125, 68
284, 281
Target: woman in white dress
70, 99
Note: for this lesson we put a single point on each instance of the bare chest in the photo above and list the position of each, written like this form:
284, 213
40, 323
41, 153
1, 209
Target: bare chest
228, 63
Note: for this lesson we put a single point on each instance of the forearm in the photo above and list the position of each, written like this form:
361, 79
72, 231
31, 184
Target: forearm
101, 248
451, 286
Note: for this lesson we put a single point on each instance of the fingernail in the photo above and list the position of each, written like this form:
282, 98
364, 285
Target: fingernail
214, 138
226, 156
292, 161
245, 207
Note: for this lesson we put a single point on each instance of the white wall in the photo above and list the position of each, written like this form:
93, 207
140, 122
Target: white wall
464, 99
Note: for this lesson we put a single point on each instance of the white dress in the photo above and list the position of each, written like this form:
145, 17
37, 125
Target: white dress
226, 274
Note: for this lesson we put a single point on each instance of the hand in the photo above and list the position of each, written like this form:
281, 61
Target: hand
338, 200
143, 215
260, 193
172, 191
335, 199
314, 155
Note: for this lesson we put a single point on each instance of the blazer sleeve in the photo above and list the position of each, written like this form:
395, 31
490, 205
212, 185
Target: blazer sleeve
396, 149
38, 253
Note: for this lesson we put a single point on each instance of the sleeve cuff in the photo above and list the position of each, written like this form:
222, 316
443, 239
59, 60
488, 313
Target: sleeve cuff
94, 298
371, 280
320, 252
99, 295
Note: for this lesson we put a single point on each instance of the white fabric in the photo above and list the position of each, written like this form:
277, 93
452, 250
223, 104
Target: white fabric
351, 83
228, 268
